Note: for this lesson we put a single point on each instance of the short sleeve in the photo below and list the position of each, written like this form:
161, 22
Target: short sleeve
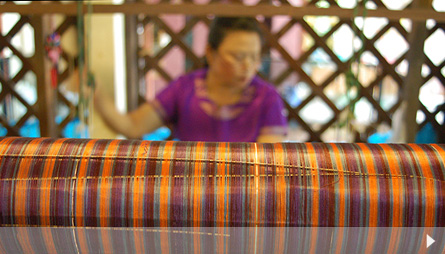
274, 121
166, 102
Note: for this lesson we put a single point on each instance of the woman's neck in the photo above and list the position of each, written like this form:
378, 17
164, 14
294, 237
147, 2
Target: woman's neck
222, 94
216, 85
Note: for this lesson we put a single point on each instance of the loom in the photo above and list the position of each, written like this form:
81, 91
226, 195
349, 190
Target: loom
83, 194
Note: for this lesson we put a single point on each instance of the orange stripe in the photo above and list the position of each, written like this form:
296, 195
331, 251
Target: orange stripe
87, 151
253, 231
260, 216
394, 240
341, 193
441, 152
23, 238
196, 198
430, 192
439, 149
422, 249
260, 245
138, 237
341, 189
106, 240
339, 233
397, 187
163, 196
5, 141
279, 239
81, 240
197, 187
49, 163
163, 192
111, 151
44, 204
220, 243
281, 186
373, 197
45, 185
105, 201
221, 188
80, 198
196, 241
138, 201
49, 240
81, 183
138, 191
5, 144
396, 192
21, 188
251, 189
25, 163
315, 195
105, 184
373, 188
315, 184
165, 243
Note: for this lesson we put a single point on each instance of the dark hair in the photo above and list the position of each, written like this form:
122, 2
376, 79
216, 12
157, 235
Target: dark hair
221, 25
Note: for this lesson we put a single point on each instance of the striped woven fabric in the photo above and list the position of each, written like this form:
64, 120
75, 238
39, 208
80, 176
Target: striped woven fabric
231, 240
131, 183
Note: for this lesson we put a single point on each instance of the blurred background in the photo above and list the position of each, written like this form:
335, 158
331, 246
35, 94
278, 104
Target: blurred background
364, 71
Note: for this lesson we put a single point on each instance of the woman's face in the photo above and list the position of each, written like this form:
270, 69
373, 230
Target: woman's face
237, 58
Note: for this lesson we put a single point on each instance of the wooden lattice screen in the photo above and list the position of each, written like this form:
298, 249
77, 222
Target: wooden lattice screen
384, 70
49, 101
294, 69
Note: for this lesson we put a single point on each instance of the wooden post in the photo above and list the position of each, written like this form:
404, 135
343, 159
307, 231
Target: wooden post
46, 95
131, 46
414, 79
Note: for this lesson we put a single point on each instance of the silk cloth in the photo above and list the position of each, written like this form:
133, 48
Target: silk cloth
229, 240
132, 183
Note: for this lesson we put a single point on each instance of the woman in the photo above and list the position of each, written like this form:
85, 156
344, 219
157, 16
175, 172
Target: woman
224, 102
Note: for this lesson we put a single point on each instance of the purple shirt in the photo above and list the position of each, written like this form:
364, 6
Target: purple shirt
185, 104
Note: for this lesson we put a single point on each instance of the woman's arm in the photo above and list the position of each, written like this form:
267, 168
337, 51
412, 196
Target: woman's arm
270, 138
133, 124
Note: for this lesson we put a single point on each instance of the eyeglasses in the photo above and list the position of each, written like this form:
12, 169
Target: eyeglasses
241, 57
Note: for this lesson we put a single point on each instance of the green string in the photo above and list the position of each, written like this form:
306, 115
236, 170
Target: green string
90, 76
84, 62
352, 79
